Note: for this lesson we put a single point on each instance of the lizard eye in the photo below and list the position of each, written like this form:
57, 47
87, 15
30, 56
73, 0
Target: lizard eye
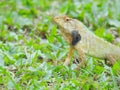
67, 18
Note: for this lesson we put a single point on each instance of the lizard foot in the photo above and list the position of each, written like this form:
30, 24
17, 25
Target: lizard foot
80, 63
110, 60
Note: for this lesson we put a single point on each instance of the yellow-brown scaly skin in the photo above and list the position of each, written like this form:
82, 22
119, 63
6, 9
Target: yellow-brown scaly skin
89, 43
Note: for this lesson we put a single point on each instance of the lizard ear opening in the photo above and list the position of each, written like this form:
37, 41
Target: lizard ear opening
75, 37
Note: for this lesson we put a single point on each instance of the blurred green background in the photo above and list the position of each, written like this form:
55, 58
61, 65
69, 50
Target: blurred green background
31, 45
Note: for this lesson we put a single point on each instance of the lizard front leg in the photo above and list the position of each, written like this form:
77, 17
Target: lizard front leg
70, 53
82, 57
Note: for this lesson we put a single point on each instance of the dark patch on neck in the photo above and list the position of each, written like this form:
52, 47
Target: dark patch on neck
75, 37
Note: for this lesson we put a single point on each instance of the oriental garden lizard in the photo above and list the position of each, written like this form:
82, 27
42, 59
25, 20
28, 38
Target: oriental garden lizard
85, 42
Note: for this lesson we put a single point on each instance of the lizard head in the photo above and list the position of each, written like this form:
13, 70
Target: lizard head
68, 30
63, 22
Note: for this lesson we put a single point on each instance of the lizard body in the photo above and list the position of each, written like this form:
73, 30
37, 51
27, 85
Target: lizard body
88, 43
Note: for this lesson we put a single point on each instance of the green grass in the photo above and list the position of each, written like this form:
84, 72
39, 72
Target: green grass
31, 45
